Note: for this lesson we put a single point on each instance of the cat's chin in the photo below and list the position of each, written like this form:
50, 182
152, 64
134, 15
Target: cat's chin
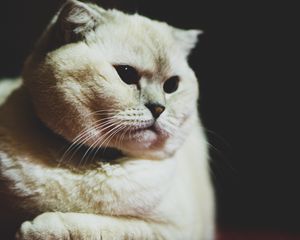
144, 137
144, 141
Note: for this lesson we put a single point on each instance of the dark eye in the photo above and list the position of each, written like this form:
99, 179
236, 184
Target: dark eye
171, 84
128, 74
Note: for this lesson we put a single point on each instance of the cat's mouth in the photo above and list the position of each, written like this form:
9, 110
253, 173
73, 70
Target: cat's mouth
151, 128
142, 129
145, 133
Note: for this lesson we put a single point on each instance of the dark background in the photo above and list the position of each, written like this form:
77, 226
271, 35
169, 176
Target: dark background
244, 64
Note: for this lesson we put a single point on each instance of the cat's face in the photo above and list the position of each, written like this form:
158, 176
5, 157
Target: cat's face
114, 80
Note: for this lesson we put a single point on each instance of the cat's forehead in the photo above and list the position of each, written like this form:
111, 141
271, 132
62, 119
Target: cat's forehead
138, 41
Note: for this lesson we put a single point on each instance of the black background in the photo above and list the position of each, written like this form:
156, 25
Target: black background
244, 63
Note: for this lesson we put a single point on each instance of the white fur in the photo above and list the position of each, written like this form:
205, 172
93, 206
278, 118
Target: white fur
160, 188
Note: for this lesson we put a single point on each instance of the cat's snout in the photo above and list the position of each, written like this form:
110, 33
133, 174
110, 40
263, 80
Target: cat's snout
156, 109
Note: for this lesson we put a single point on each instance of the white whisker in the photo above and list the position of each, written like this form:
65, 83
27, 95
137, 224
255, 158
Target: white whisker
109, 138
100, 139
84, 135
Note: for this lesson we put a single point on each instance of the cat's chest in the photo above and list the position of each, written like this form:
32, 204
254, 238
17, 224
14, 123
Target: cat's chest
132, 189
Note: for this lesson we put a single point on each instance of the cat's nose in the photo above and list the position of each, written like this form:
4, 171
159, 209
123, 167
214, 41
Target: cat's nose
156, 109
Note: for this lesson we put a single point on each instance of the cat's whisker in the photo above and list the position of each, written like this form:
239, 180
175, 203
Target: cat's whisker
92, 146
130, 131
108, 139
99, 147
81, 136
121, 138
102, 111
118, 138
173, 121
169, 126
89, 129
121, 127
84, 136
76, 149
97, 141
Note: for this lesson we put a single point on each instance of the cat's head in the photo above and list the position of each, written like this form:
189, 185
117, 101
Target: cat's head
108, 79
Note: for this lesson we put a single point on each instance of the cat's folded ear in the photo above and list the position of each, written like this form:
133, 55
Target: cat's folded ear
187, 39
76, 19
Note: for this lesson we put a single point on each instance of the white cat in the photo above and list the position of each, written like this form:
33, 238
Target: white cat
96, 79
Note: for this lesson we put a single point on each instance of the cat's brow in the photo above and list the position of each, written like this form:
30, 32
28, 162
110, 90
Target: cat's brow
161, 69
153, 74
146, 73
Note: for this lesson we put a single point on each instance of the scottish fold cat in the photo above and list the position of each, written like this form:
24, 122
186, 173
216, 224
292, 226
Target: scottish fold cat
100, 138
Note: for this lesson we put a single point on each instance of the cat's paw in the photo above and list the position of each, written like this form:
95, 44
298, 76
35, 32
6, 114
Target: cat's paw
47, 226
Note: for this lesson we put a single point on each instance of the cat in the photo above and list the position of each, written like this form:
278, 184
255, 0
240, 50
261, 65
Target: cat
103, 79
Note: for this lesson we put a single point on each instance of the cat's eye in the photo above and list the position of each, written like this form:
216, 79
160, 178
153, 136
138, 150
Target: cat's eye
128, 74
171, 84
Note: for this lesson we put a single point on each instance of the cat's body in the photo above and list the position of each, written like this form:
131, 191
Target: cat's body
159, 188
